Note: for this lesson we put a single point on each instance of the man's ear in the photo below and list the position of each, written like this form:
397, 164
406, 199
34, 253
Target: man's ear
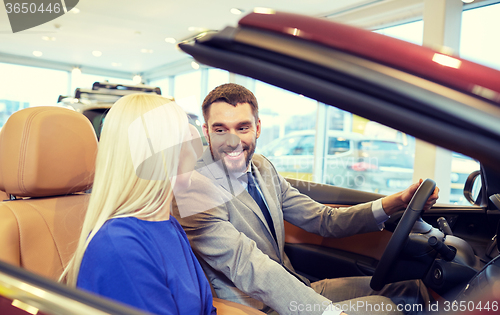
205, 132
196, 141
258, 129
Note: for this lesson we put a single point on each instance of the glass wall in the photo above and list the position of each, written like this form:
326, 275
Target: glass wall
163, 84
282, 112
478, 44
479, 35
187, 91
311, 141
216, 77
412, 32
22, 86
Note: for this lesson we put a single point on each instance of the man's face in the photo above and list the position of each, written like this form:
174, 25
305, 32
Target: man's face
232, 133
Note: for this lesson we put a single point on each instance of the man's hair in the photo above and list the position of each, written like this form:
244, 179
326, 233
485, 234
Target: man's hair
233, 94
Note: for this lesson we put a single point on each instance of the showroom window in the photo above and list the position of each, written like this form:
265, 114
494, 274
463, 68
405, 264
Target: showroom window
479, 26
479, 35
282, 112
216, 77
163, 84
22, 88
412, 32
354, 152
187, 91
350, 152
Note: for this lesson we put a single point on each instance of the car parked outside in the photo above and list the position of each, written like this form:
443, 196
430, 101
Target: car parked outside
95, 103
351, 160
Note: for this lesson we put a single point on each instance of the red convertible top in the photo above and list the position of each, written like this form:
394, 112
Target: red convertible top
451, 71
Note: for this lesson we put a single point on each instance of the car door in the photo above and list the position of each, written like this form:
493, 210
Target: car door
318, 257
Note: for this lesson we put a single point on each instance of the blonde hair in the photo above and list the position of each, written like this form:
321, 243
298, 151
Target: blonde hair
138, 128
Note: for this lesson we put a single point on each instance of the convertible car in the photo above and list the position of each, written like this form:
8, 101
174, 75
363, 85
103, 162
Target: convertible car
438, 98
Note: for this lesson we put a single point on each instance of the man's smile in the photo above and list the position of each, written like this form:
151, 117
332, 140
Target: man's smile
233, 155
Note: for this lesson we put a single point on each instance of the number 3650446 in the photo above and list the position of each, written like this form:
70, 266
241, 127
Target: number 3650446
27, 8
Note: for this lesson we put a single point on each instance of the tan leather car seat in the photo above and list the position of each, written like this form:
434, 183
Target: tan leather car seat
4, 196
47, 157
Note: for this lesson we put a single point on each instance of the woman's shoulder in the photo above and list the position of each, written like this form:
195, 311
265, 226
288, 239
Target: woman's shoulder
119, 234
120, 227
123, 240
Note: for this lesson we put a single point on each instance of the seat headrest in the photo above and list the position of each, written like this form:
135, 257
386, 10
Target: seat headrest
47, 151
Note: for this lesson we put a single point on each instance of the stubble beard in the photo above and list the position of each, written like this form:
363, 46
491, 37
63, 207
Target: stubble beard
231, 166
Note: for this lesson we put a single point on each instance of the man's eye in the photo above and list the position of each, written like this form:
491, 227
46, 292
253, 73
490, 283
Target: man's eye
244, 128
219, 130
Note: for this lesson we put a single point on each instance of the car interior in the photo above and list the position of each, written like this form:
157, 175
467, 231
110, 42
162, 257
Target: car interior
48, 157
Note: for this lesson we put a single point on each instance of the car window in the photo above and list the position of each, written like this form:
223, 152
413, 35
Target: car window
337, 145
305, 146
355, 152
358, 153
378, 145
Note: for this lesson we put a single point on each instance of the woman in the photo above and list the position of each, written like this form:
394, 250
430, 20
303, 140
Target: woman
130, 248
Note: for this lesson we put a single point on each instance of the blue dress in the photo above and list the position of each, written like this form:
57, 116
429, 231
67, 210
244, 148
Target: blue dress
146, 264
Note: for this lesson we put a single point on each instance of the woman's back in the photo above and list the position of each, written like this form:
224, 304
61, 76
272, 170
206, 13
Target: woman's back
146, 264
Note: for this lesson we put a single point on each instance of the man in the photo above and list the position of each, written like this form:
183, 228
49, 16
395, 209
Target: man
240, 241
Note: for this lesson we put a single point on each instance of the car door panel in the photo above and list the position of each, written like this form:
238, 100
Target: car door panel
318, 257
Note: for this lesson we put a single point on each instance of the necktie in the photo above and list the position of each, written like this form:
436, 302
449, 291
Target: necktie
254, 192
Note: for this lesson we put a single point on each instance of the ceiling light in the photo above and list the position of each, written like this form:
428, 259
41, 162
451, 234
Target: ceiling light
146, 51
49, 38
170, 40
236, 11
97, 53
75, 10
116, 64
37, 53
195, 65
264, 11
467, 1
137, 79
76, 71
447, 61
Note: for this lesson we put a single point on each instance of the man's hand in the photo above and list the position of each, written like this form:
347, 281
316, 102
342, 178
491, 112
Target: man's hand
401, 199
408, 193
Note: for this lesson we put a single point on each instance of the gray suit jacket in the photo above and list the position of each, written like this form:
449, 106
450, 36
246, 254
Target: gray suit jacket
235, 246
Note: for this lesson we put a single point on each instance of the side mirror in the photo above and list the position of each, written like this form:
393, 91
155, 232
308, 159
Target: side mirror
472, 188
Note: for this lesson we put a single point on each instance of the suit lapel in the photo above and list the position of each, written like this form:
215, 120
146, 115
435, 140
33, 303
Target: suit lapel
215, 170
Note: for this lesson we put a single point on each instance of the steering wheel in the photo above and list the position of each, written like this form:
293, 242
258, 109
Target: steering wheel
400, 235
